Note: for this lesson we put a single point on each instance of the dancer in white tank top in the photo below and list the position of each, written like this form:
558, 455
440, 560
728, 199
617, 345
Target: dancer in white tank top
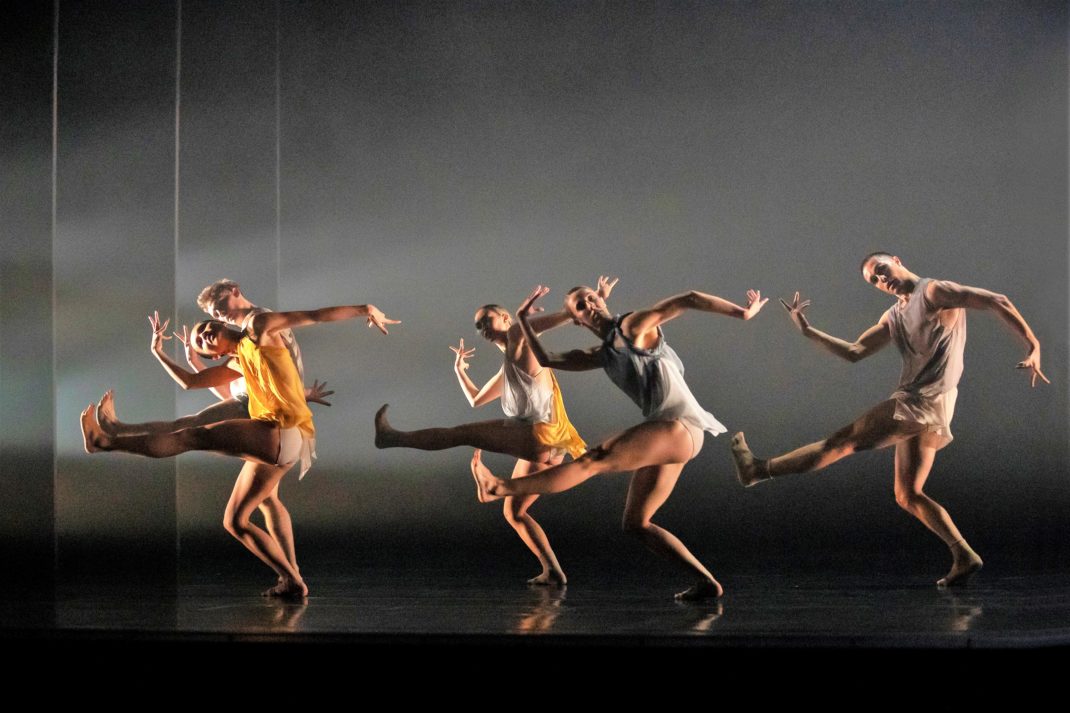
928, 326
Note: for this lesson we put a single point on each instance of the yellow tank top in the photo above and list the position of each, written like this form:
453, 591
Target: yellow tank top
275, 389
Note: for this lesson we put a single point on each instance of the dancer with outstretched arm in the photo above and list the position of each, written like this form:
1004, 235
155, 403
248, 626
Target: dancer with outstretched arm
637, 359
537, 431
928, 326
278, 433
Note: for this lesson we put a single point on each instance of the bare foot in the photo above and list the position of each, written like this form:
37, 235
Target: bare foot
549, 579
749, 469
704, 589
488, 488
93, 436
966, 562
385, 435
106, 417
287, 589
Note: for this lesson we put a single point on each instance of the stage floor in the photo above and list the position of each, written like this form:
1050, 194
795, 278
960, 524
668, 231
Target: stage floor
425, 605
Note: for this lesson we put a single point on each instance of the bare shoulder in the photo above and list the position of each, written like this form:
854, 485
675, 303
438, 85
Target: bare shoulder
258, 324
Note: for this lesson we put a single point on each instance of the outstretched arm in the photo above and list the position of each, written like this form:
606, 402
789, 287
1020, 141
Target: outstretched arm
575, 360
206, 379
869, 342
545, 322
268, 322
647, 319
944, 294
476, 396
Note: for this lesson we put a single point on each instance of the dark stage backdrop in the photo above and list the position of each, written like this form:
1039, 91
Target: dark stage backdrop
432, 157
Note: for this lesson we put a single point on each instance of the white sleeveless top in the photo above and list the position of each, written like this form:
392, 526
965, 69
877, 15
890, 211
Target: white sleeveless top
654, 380
524, 397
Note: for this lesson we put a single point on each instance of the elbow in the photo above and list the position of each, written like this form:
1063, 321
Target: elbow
854, 354
544, 360
1001, 302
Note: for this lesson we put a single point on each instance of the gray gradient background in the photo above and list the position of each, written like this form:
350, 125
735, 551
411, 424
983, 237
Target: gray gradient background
437, 156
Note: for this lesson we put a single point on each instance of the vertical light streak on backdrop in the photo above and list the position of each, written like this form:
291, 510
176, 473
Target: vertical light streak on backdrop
55, 166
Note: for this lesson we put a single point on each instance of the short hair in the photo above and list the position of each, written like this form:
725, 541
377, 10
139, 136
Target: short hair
867, 258
576, 289
497, 308
212, 294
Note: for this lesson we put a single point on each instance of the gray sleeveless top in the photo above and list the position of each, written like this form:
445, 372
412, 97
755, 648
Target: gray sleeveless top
654, 380
932, 353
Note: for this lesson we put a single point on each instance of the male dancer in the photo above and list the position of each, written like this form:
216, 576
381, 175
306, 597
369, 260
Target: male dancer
928, 326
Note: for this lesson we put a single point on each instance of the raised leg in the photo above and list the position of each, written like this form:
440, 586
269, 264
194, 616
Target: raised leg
255, 483
499, 436
516, 514
913, 462
649, 489
219, 411
874, 429
649, 443
245, 438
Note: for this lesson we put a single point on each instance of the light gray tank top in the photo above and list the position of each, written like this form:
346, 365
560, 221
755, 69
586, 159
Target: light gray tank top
654, 380
932, 353
524, 397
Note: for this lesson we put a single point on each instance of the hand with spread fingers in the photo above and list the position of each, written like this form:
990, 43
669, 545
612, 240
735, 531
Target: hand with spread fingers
795, 311
159, 331
460, 363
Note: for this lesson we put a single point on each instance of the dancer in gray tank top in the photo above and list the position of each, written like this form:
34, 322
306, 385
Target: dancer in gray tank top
636, 358
928, 326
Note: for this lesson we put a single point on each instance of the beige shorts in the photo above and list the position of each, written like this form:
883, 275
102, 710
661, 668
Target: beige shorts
698, 436
295, 446
933, 412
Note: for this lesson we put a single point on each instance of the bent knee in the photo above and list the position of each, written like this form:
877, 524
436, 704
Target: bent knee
908, 499
235, 524
842, 445
634, 525
600, 459
514, 514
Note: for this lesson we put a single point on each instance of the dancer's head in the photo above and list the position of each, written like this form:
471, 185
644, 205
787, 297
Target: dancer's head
585, 306
223, 300
493, 322
887, 273
213, 339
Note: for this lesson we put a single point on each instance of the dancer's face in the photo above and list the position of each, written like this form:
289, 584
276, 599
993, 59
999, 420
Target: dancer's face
887, 274
584, 304
211, 339
492, 324
228, 307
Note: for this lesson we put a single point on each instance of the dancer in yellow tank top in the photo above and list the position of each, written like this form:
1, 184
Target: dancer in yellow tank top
278, 434
538, 431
